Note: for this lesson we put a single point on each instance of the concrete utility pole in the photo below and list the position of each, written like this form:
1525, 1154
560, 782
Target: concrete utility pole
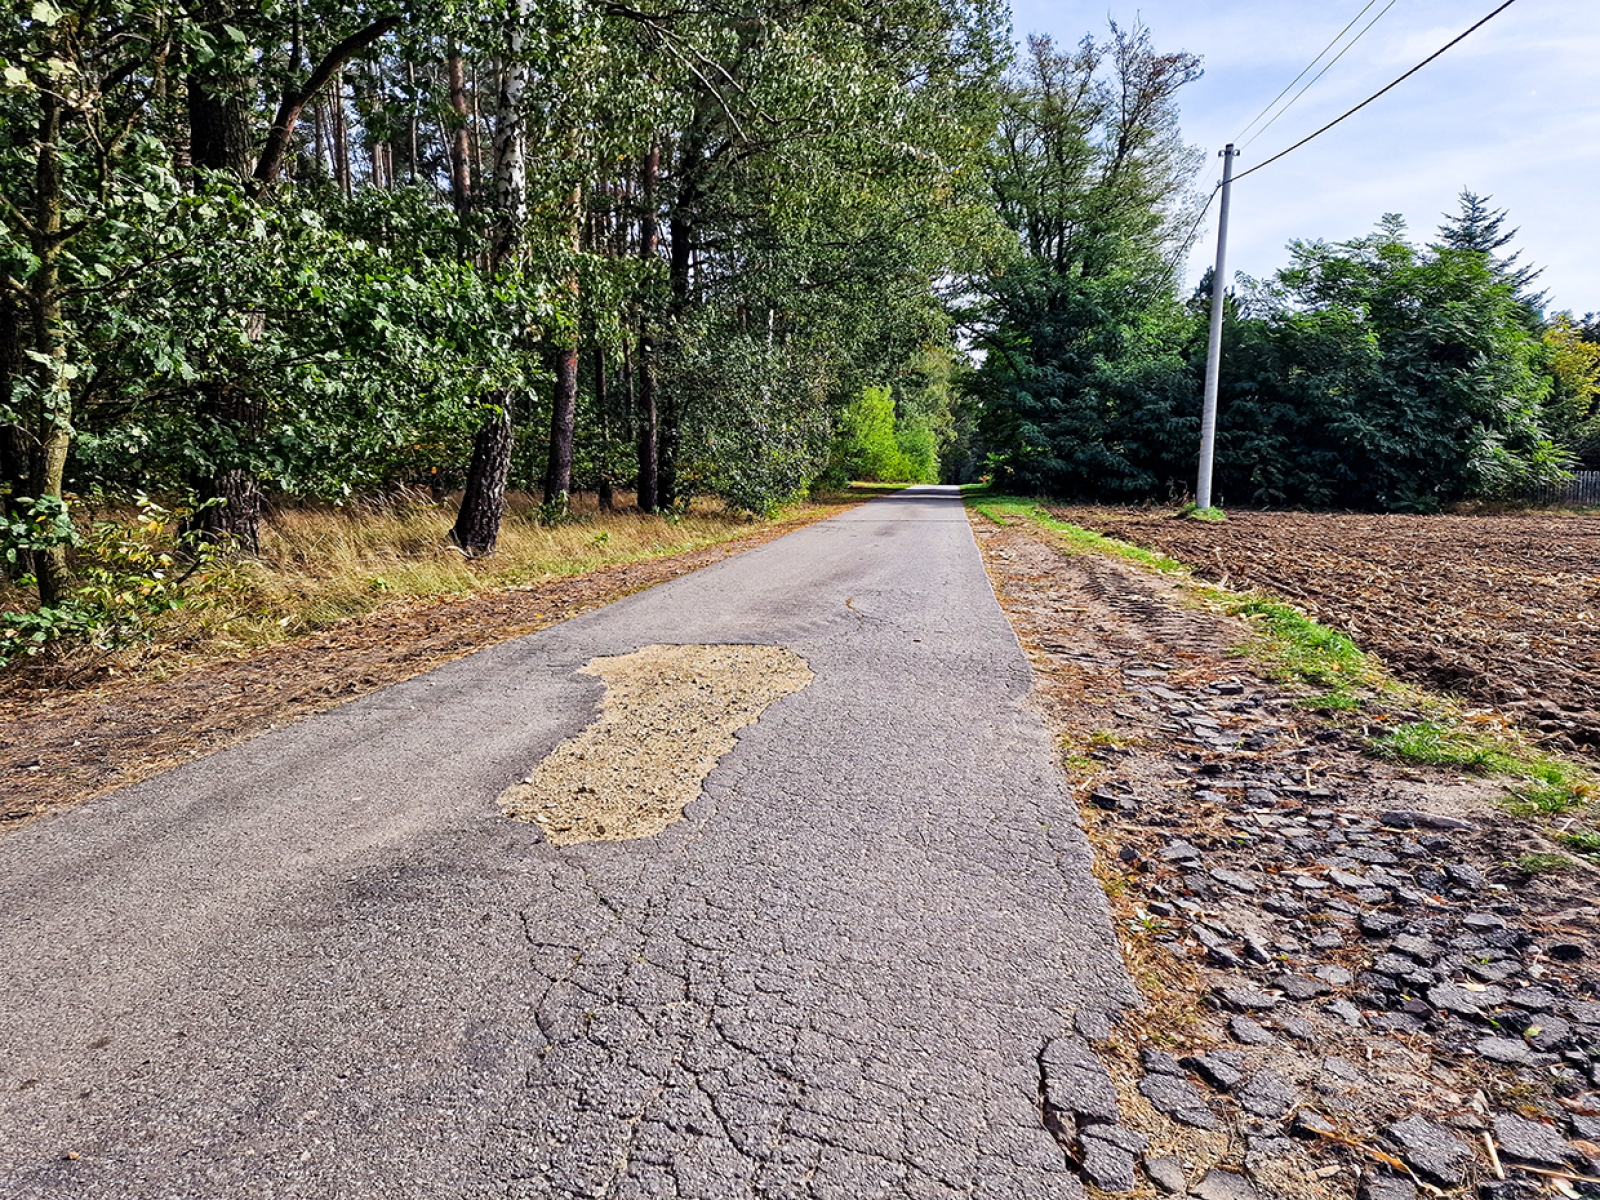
1208, 419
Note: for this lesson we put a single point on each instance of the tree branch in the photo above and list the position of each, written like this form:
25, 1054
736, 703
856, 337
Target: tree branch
295, 100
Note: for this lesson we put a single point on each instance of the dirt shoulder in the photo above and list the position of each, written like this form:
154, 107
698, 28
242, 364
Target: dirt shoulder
58, 749
1351, 985
1502, 609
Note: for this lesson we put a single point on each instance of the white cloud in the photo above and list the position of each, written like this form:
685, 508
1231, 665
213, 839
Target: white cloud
1513, 111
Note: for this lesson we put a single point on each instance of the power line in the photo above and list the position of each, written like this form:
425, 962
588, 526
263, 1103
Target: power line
1390, 87
1307, 67
1322, 72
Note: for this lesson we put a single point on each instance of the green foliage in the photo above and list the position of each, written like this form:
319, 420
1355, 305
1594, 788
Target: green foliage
1543, 864
126, 576
1543, 784
1193, 512
1584, 841
31, 525
1310, 653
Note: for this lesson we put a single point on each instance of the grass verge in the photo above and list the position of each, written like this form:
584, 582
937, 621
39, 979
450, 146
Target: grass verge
1339, 678
319, 565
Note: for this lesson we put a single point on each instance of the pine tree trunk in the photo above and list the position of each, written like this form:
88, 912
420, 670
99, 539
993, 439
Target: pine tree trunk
668, 414
477, 526
220, 139
607, 496
483, 503
649, 431
564, 401
563, 419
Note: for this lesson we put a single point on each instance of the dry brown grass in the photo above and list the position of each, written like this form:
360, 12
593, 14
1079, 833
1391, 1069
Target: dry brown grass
320, 565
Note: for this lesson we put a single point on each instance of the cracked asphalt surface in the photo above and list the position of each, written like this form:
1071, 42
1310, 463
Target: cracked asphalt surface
322, 964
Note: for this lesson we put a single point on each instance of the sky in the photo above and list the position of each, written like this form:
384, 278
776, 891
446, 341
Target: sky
1512, 112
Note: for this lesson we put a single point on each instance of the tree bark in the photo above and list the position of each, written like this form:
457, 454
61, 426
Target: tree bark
295, 99
649, 431
220, 140
49, 347
606, 494
669, 416
564, 399
460, 173
477, 525
563, 419
483, 504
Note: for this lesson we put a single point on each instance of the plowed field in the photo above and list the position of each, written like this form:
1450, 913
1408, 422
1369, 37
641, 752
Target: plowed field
1504, 610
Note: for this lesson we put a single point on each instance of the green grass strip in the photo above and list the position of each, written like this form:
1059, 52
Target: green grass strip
1341, 677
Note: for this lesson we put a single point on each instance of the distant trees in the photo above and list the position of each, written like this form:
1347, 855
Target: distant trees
1081, 331
1371, 373
250, 253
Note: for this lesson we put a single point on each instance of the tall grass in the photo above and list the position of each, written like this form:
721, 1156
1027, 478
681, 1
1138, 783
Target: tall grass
320, 564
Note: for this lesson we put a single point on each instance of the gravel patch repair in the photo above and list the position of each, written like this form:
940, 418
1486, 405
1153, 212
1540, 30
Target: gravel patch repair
669, 714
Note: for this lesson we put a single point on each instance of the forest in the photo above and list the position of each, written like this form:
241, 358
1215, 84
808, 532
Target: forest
484, 258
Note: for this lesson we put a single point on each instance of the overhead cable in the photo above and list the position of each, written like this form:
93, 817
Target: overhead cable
1302, 74
1324, 71
1389, 87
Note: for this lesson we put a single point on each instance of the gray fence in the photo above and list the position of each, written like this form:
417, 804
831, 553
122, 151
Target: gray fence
1582, 488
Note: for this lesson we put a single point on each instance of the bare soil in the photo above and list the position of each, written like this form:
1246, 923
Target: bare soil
669, 713
61, 746
1499, 609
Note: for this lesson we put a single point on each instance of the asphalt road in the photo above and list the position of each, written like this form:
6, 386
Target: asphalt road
322, 964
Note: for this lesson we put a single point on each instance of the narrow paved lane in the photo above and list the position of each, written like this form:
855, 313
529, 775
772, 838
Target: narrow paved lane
323, 965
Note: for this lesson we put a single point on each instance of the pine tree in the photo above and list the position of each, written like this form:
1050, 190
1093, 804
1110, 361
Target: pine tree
1482, 229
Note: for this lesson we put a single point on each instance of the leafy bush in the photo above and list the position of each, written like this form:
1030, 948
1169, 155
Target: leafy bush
126, 576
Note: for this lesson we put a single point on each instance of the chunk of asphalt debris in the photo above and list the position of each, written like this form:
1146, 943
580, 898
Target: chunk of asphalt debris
1312, 1124
1534, 999
1345, 1011
1411, 819
1531, 1142
1238, 881
1585, 1012
1386, 1187
1247, 1031
1092, 1023
1298, 1028
1106, 1163
1430, 1150
1166, 1174
1180, 852
1243, 999
1301, 987
1334, 974
1480, 922
1452, 997
1267, 1095
1549, 1035
1566, 951
1418, 948
1178, 1099
1224, 1185
1464, 875
1159, 1062
1222, 1069
1504, 1050
1379, 924
1077, 1083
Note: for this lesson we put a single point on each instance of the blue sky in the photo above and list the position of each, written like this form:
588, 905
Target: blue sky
1513, 112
